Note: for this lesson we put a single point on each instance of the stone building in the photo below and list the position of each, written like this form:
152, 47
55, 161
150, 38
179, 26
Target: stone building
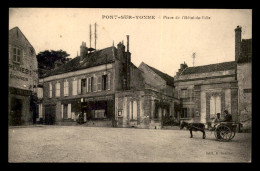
244, 77
108, 89
149, 106
23, 79
207, 90
87, 85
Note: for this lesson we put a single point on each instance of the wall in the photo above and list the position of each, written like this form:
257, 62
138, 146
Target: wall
244, 76
152, 78
77, 75
204, 86
23, 75
28, 67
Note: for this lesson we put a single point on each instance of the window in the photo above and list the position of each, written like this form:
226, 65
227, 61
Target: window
57, 89
95, 84
247, 90
79, 86
39, 92
66, 88
66, 111
74, 87
108, 81
16, 55
100, 114
215, 105
99, 83
133, 110
83, 86
104, 82
184, 113
50, 90
89, 84
184, 93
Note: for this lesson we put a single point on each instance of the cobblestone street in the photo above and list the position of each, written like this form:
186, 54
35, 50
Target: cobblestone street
100, 144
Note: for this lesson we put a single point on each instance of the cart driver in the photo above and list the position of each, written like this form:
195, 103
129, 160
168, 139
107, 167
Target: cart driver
228, 117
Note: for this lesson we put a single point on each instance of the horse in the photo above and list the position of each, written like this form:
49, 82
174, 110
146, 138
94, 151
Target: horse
194, 127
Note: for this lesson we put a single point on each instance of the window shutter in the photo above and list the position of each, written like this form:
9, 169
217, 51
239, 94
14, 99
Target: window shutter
79, 86
62, 111
134, 110
74, 87
99, 80
69, 110
50, 90
87, 86
108, 81
130, 110
95, 83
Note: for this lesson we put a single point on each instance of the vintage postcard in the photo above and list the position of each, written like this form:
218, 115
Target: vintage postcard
129, 85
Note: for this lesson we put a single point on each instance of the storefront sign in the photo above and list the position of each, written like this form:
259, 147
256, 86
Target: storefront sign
18, 77
20, 69
17, 91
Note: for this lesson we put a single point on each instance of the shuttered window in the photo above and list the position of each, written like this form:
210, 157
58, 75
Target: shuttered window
95, 84
74, 87
99, 82
66, 88
79, 86
57, 92
108, 81
50, 90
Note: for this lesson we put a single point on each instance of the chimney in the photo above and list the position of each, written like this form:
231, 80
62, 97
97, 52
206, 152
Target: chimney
121, 51
127, 36
83, 50
238, 31
182, 67
128, 63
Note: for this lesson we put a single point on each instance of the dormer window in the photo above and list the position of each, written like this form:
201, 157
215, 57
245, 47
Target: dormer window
16, 55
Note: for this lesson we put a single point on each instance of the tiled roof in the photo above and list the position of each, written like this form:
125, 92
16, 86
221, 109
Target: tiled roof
96, 58
246, 51
169, 80
210, 68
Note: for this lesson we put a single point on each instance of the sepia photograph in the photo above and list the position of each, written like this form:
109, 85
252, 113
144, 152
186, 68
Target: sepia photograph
129, 85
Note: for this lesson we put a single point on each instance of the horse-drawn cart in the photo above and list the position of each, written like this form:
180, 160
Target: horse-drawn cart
225, 131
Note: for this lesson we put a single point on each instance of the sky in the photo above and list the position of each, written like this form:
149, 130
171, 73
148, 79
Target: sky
164, 41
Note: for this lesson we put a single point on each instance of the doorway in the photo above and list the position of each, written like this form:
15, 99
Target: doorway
16, 111
50, 112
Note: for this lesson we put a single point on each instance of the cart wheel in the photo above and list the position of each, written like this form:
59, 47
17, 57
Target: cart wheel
223, 133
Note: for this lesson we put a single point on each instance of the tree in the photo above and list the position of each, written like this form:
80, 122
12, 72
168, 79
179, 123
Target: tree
46, 59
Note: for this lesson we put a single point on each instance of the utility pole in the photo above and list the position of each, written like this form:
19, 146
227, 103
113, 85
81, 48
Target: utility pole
90, 35
95, 35
193, 56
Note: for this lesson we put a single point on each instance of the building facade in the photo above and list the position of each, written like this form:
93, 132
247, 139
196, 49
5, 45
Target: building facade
107, 89
207, 90
244, 77
23, 79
